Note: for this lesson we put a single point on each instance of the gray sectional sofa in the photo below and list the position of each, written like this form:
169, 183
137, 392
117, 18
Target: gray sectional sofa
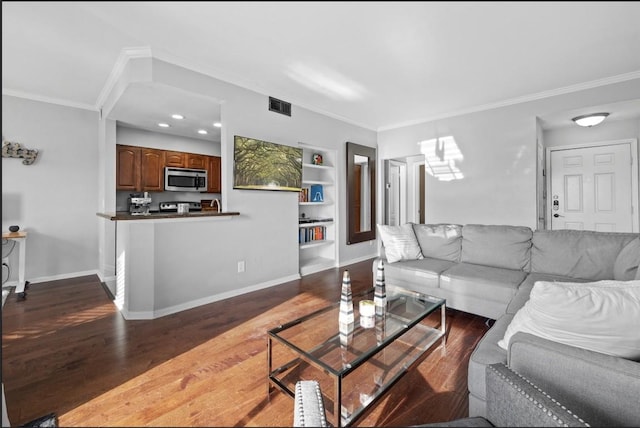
490, 270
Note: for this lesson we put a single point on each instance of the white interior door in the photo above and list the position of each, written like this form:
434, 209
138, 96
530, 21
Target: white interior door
396, 197
592, 189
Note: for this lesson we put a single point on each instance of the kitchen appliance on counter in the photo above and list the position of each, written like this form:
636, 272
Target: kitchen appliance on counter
179, 207
139, 203
185, 179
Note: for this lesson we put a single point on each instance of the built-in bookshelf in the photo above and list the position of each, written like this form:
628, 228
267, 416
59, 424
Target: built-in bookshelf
317, 213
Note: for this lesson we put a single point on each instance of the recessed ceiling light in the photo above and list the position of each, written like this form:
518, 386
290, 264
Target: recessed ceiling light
164, 125
217, 124
202, 131
177, 116
590, 119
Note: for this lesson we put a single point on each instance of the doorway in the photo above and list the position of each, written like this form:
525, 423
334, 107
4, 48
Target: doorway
593, 187
395, 192
419, 192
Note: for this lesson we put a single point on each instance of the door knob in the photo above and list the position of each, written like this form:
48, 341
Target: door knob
557, 215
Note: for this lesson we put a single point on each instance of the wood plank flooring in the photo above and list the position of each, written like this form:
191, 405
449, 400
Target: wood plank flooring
66, 349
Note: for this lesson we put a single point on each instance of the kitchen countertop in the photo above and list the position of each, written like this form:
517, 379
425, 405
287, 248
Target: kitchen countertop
125, 215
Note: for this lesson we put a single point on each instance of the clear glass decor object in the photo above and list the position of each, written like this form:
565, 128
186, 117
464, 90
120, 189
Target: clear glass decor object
345, 317
380, 292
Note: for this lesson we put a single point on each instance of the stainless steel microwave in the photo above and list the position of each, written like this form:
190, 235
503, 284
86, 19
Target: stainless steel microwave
185, 179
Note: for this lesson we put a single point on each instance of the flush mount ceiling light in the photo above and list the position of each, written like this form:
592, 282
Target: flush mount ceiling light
590, 119
217, 124
164, 125
202, 131
177, 116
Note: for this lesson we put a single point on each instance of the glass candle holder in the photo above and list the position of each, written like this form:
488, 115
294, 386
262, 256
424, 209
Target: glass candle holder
367, 313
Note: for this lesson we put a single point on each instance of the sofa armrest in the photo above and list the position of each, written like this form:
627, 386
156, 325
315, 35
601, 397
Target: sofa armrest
513, 400
309, 407
601, 388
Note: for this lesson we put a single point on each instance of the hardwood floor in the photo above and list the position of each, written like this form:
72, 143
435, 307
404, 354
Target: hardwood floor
66, 349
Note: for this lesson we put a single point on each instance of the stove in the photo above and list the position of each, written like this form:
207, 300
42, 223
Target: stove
168, 207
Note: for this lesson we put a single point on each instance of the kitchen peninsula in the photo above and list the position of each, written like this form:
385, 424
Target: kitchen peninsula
166, 262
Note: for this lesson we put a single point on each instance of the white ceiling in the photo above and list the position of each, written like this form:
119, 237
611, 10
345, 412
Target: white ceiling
376, 64
144, 105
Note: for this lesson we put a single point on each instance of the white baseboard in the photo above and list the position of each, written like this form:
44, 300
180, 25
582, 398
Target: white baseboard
343, 263
52, 278
109, 281
146, 315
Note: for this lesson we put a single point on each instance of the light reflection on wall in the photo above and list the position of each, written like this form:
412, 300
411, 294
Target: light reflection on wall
440, 157
120, 281
325, 81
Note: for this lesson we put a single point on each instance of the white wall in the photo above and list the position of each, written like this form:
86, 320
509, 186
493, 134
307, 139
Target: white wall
608, 130
54, 199
246, 113
157, 140
265, 235
500, 153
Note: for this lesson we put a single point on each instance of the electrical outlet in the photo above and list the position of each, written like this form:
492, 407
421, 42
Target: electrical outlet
241, 266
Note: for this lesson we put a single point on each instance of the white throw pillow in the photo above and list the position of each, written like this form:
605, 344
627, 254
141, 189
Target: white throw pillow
400, 243
602, 316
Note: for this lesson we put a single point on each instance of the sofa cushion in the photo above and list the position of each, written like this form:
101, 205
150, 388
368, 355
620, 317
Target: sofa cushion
399, 243
440, 241
597, 316
524, 290
425, 272
625, 267
488, 282
499, 246
487, 352
577, 253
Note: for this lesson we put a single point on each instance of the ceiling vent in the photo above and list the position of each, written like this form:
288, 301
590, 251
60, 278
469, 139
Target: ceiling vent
279, 106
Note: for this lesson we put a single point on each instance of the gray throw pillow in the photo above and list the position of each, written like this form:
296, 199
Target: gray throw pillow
625, 267
399, 243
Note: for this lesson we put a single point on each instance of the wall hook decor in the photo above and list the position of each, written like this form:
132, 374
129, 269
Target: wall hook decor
15, 150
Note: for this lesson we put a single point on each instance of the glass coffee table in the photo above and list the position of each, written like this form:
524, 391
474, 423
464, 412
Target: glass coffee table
353, 374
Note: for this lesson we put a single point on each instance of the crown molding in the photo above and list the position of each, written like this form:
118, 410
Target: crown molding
523, 99
116, 72
49, 100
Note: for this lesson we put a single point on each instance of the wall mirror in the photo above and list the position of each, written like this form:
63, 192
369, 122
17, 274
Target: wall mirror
361, 193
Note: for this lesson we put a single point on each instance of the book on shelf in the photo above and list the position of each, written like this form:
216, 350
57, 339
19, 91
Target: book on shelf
317, 193
304, 195
310, 234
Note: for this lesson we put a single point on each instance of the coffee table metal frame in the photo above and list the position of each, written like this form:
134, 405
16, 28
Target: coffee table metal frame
407, 327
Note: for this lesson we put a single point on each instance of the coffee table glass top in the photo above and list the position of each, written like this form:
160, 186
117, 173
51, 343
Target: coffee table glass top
317, 335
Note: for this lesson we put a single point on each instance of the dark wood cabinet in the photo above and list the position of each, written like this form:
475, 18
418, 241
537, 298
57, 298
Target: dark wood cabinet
139, 169
152, 170
127, 167
196, 161
142, 169
214, 175
175, 159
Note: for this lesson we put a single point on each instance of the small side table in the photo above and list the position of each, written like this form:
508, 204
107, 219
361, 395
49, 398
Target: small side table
21, 240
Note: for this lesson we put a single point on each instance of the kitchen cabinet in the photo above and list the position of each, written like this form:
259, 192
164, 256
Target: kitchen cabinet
152, 170
214, 176
127, 167
175, 159
196, 161
139, 169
